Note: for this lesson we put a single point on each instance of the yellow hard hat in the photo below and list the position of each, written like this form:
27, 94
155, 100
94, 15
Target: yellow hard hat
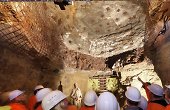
5, 108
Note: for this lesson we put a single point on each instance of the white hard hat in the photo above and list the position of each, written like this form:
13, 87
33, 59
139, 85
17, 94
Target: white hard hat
143, 103
38, 87
168, 86
156, 89
42, 93
133, 94
14, 94
52, 99
90, 98
107, 101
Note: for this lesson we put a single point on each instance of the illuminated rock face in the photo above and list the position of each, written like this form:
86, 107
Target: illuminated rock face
104, 29
80, 38
157, 47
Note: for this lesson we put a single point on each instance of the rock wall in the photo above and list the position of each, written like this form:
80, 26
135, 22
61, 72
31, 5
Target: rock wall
71, 45
75, 32
107, 28
156, 46
18, 72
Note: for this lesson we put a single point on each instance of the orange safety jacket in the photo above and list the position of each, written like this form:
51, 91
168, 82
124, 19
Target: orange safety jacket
17, 106
39, 108
87, 108
167, 107
155, 106
31, 103
72, 107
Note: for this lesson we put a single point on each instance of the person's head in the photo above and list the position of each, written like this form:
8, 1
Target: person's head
156, 91
17, 96
133, 96
37, 88
42, 93
55, 100
90, 98
143, 103
107, 101
75, 85
167, 92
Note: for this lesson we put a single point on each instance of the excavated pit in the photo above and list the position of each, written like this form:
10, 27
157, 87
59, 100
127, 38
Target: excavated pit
42, 44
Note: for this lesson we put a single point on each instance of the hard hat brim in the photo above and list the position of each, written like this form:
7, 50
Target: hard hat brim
131, 98
167, 86
150, 89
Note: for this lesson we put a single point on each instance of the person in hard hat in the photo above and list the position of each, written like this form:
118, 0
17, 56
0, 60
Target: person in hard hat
167, 96
60, 87
39, 96
55, 100
76, 95
32, 100
133, 98
17, 100
157, 101
145, 85
107, 101
143, 104
89, 100
71, 107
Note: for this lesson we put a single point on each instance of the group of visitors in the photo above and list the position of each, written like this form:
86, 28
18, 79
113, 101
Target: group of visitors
48, 99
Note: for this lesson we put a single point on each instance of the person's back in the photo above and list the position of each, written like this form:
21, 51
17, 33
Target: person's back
87, 108
17, 100
39, 96
157, 100
133, 108
167, 107
31, 102
72, 107
17, 106
39, 108
155, 106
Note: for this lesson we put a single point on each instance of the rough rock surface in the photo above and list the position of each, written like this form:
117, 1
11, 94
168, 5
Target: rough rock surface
144, 70
89, 37
74, 37
157, 47
103, 29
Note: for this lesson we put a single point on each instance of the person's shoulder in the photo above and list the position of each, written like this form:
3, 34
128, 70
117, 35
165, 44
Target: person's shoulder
83, 108
167, 107
78, 88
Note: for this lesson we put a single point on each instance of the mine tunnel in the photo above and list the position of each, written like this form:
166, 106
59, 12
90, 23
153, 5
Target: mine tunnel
98, 45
